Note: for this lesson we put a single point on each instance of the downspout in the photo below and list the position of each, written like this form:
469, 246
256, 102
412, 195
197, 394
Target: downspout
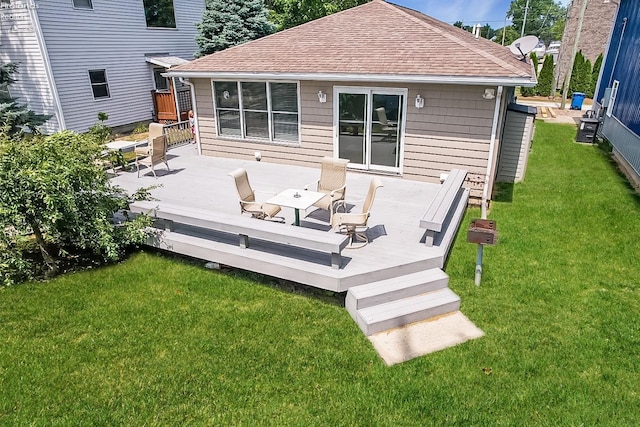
487, 180
195, 112
175, 98
47, 68
606, 55
492, 147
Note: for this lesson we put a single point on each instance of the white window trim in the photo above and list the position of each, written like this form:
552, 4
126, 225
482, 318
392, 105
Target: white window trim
270, 112
370, 91
153, 79
73, 4
106, 81
612, 97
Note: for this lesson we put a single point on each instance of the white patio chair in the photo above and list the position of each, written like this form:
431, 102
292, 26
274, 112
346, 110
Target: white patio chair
247, 198
350, 223
332, 182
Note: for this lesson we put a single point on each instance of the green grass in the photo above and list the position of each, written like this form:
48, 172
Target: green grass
155, 341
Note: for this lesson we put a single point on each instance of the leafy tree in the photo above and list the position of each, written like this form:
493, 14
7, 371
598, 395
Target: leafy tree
227, 23
14, 117
290, 13
56, 199
595, 73
487, 32
510, 35
541, 18
545, 78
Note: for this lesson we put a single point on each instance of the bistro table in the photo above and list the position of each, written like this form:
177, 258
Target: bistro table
122, 145
296, 199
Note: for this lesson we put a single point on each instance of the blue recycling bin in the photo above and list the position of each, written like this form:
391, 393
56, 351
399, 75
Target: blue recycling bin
576, 100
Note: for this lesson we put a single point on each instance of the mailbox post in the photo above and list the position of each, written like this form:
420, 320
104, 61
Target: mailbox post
482, 232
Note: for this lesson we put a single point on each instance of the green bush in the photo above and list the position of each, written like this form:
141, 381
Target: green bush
55, 197
141, 127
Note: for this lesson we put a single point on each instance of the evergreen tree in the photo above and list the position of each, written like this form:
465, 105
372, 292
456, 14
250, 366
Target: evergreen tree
15, 117
227, 23
531, 91
545, 78
595, 73
586, 78
577, 74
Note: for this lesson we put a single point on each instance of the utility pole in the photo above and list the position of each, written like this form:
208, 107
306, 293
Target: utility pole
504, 29
567, 78
524, 20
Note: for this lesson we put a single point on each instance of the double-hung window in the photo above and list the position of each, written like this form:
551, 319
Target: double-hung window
99, 84
257, 110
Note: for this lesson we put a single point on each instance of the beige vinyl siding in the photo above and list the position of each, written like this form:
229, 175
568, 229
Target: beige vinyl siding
453, 130
112, 36
19, 44
516, 142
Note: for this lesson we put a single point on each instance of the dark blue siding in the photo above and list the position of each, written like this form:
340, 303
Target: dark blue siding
626, 67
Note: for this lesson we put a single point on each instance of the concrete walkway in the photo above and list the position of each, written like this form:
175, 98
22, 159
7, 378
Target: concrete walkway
550, 110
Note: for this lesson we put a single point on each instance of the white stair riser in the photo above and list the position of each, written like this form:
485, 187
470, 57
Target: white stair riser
393, 295
405, 319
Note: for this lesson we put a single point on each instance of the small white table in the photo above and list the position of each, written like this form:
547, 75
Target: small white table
124, 145
304, 200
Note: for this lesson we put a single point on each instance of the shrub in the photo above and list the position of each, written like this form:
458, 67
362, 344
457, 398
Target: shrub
54, 196
141, 127
545, 78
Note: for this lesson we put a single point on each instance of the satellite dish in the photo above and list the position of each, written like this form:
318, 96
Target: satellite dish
523, 46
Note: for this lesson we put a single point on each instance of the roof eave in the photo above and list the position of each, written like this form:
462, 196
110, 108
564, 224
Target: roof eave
338, 77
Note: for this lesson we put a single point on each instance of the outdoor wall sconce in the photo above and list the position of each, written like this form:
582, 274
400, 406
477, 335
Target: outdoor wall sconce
419, 101
489, 94
258, 155
322, 97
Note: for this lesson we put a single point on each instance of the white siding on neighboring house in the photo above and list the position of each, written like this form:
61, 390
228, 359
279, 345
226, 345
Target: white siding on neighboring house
19, 44
113, 36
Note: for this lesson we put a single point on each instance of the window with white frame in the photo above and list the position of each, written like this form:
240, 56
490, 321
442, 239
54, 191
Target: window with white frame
160, 82
612, 97
99, 84
257, 110
82, 4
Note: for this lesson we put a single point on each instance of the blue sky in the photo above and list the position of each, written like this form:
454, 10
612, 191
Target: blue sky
469, 12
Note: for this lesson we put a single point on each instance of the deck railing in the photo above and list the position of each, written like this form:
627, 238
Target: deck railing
178, 133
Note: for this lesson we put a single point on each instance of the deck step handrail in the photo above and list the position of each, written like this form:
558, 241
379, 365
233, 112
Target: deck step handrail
246, 228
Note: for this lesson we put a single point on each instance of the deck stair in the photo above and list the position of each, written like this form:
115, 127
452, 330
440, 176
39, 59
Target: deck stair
393, 303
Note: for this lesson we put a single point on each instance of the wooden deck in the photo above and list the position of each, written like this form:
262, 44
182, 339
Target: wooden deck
397, 241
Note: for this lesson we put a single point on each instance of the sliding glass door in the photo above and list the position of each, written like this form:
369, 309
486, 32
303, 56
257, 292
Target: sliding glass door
369, 127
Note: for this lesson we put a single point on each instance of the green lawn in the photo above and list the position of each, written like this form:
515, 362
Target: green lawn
154, 341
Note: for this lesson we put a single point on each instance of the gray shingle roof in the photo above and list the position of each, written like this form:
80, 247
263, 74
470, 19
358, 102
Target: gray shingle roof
376, 38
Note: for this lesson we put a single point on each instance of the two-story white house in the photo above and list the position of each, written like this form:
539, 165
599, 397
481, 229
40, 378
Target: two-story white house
81, 57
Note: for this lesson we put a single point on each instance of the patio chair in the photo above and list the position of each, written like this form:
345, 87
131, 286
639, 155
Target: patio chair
247, 198
156, 153
155, 130
350, 222
332, 182
389, 128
